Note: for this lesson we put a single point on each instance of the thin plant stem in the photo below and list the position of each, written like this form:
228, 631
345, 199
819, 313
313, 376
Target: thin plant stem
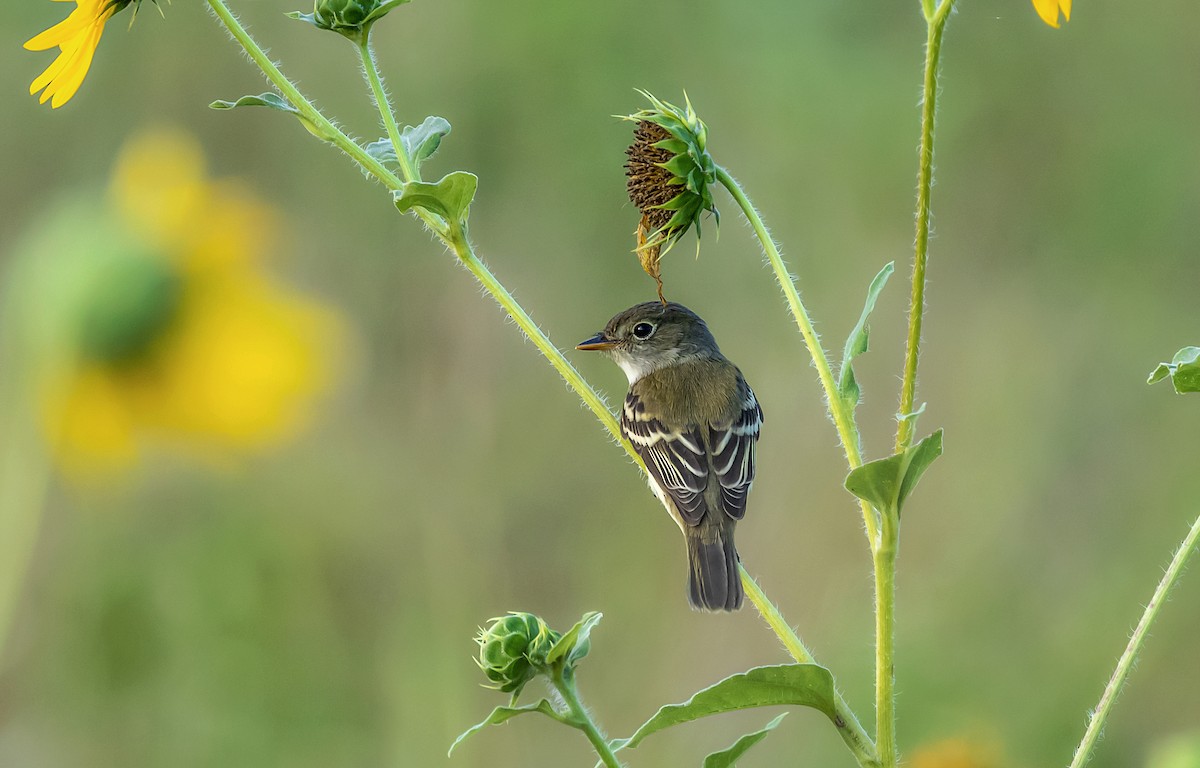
458, 242
933, 49
309, 113
884, 558
1096, 722
564, 683
843, 418
848, 726
407, 169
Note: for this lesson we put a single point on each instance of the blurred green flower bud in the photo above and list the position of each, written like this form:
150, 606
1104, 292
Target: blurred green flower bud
131, 301
512, 650
669, 173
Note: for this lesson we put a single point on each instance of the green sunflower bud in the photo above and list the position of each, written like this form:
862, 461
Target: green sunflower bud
670, 173
346, 16
341, 14
513, 649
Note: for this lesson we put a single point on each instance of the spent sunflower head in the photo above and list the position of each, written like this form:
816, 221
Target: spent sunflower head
76, 38
1048, 10
670, 175
148, 316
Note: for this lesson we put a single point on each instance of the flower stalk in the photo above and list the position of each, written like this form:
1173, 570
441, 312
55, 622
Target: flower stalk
936, 20
851, 731
843, 418
563, 681
1099, 715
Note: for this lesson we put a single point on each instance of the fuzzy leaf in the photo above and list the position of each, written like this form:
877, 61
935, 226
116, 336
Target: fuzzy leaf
420, 142
887, 483
274, 101
574, 643
726, 758
858, 341
1184, 370
806, 685
383, 9
503, 714
450, 197
383, 151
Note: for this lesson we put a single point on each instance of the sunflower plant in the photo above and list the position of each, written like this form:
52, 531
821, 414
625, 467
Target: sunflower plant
675, 181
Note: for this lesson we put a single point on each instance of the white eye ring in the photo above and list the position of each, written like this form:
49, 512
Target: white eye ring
643, 331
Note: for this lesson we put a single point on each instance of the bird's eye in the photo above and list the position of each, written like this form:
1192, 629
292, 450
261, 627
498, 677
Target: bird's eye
643, 331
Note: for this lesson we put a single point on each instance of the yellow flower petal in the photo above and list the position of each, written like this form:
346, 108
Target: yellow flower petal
77, 37
1048, 10
243, 366
89, 423
160, 187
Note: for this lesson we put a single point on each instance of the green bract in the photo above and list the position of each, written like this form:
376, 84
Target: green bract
513, 649
670, 171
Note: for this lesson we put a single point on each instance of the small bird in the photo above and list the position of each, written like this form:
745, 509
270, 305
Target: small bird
694, 421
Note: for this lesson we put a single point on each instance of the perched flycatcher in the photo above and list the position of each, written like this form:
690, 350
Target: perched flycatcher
694, 421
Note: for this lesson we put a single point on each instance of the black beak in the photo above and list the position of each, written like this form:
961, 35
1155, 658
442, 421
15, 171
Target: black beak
597, 342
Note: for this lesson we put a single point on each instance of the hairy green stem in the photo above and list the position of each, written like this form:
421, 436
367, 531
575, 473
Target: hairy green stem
843, 418
847, 724
885, 643
407, 169
307, 111
908, 388
1096, 722
591, 398
564, 683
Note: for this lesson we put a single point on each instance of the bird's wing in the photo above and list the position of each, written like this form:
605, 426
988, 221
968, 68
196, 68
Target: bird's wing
733, 447
676, 460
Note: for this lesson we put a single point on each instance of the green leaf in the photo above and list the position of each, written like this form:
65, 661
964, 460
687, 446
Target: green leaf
449, 198
503, 714
1184, 370
574, 643
383, 151
274, 101
806, 685
306, 17
887, 483
858, 341
726, 758
420, 142
383, 9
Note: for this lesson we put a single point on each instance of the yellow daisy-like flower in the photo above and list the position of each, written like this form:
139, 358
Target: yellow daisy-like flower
955, 753
76, 38
1049, 10
177, 333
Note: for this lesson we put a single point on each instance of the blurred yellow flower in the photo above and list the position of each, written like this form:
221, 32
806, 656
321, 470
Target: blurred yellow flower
181, 335
1049, 9
954, 753
76, 38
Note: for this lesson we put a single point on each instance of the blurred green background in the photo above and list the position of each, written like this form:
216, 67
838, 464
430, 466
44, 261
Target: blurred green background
315, 607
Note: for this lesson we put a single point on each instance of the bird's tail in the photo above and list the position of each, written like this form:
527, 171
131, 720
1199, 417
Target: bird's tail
714, 583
